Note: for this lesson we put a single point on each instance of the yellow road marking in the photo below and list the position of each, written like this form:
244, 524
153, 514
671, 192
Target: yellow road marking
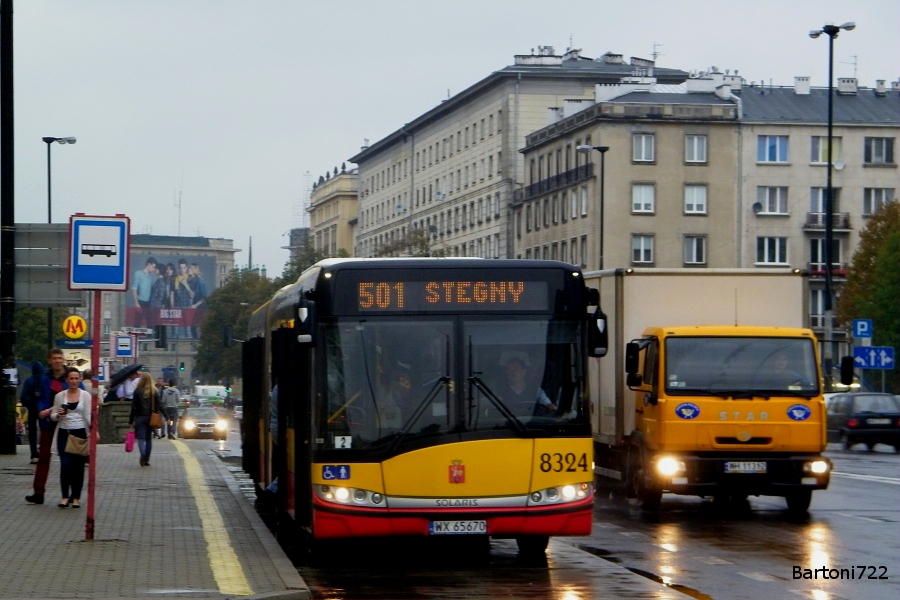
226, 568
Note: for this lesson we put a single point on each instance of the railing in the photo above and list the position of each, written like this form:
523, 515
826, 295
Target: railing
554, 183
817, 269
816, 220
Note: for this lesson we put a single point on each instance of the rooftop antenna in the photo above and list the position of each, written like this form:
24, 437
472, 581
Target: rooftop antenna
656, 52
853, 62
178, 202
250, 255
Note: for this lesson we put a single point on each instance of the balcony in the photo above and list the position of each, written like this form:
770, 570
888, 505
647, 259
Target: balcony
816, 270
815, 221
554, 183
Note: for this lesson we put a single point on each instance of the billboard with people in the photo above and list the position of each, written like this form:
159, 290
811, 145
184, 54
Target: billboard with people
169, 291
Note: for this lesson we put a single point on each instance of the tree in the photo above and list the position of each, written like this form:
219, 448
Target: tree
31, 331
873, 281
230, 306
307, 257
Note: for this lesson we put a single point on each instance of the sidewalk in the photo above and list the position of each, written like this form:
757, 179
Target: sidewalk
181, 528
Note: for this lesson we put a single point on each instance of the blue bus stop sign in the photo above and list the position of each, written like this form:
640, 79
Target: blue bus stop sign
98, 253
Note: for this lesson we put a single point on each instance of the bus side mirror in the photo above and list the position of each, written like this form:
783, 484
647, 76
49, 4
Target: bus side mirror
846, 370
306, 321
598, 334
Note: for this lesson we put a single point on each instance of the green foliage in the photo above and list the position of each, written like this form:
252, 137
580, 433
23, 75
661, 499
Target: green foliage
230, 305
308, 256
873, 282
31, 332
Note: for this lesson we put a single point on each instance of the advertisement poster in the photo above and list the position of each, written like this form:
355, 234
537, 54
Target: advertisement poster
170, 291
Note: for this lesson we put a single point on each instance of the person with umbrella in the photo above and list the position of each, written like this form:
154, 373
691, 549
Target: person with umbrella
125, 380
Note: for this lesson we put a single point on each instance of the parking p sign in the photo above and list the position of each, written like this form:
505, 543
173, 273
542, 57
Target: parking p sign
862, 328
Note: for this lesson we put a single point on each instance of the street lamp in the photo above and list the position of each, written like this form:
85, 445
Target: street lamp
49, 141
832, 32
602, 150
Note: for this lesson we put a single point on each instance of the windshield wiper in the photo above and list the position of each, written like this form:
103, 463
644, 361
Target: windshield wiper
504, 410
443, 380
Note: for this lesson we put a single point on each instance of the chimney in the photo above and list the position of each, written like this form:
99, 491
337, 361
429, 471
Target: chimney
846, 86
880, 89
801, 86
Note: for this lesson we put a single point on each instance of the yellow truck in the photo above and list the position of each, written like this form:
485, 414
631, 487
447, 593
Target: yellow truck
711, 386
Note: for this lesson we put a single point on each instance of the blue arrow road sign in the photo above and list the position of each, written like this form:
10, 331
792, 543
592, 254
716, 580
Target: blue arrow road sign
862, 328
873, 357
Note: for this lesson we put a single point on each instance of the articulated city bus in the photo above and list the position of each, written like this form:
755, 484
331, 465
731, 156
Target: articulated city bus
391, 397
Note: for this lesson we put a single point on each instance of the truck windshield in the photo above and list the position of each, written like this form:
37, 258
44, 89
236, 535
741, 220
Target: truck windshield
736, 366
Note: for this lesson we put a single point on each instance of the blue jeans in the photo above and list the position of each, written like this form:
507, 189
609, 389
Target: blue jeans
144, 436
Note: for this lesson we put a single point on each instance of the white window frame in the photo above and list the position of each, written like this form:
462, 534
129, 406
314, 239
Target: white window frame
764, 147
643, 147
694, 250
772, 199
818, 151
771, 250
878, 151
695, 199
640, 203
695, 146
874, 199
641, 249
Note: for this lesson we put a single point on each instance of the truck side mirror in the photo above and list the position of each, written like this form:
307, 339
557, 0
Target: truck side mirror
632, 358
598, 334
846, 370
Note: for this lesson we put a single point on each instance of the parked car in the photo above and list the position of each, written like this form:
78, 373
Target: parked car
202, 422
864, 417
238, 412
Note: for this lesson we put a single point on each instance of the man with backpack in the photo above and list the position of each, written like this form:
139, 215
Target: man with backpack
169, 404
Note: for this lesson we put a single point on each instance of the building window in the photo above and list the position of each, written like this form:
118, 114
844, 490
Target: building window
643, 198
817, 197
695, 199
642, 249
584, 201
694, 148
772, 149
875, 198
695, 250
817, 260
771, 250
528, 217
817, 308
772, 200
643, 147
819, 149
878, 151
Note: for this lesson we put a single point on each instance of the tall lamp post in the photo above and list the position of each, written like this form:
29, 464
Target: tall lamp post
49, 141
602, 150
832, 32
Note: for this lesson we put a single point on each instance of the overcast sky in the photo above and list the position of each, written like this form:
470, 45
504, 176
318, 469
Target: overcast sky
230, 109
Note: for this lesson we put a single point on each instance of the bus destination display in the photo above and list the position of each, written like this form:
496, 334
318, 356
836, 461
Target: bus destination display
455, 295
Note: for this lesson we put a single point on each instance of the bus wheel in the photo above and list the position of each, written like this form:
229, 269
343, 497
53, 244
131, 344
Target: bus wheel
798, 502
531, 546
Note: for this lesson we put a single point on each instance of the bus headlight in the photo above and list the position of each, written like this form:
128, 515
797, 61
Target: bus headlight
348, 496
562, 493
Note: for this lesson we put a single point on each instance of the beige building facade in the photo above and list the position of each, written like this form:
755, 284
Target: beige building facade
332, 212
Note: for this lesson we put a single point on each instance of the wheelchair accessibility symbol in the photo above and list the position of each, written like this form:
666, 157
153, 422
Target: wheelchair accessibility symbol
337, 472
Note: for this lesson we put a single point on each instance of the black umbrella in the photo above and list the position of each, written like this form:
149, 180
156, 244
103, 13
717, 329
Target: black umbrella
123, 374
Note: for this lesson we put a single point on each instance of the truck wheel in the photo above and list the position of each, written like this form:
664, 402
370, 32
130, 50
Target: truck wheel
648, 498
798, 502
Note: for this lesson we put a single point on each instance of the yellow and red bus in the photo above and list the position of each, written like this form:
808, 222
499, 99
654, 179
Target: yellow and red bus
417, 397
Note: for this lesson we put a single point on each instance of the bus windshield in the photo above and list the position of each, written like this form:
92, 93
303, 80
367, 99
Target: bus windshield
391, 380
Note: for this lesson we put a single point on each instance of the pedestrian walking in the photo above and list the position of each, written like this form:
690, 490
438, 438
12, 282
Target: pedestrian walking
169, 401
33, 391
54, 382
72, 410
144, 403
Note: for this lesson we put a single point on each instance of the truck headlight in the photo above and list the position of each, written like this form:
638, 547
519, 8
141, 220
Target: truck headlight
819, 467
668, 466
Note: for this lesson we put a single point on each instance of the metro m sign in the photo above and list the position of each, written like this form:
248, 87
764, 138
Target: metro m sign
74, 327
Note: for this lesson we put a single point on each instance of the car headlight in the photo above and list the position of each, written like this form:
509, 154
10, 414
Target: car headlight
221, 424
188, 424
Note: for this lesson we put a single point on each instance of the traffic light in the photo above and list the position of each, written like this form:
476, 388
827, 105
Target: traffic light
181, 367
161, 340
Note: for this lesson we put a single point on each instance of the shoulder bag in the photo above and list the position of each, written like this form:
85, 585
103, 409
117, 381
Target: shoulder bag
77, 445
155, 417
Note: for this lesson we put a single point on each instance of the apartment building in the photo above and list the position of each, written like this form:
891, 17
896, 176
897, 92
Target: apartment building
442, 184
712, 173
332, 211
